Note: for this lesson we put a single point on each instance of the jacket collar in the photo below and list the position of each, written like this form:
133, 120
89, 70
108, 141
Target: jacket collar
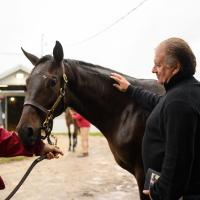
176, 80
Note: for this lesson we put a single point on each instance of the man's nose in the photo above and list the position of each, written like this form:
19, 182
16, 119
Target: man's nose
154, 69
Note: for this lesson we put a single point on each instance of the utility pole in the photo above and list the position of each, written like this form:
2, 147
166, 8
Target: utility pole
42, 44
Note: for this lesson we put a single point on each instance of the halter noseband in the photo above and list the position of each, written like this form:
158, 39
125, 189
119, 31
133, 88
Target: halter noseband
48, 122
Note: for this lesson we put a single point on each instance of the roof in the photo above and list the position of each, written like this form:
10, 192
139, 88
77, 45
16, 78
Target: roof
14, 70
15, 76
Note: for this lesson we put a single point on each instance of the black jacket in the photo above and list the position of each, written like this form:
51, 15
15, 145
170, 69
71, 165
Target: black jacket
171, 143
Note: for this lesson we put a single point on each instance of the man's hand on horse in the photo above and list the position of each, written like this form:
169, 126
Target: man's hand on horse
121, 83
51, 151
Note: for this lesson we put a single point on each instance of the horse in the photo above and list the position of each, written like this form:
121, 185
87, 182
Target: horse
72, 136
56, 83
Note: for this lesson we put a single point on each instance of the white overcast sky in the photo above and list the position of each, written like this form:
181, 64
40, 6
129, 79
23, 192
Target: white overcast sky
127, 47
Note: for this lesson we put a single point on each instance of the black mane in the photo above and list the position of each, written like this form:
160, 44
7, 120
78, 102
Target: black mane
103, 73
44, 59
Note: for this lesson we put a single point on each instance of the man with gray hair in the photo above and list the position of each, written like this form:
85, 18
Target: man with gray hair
171, 142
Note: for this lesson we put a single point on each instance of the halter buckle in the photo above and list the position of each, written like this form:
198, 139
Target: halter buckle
65, 78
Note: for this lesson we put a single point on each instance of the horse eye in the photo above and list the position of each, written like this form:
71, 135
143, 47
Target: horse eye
52, 82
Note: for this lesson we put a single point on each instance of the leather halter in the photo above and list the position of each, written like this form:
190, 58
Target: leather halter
48, 122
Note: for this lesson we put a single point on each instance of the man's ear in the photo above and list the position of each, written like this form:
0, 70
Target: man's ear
177, 68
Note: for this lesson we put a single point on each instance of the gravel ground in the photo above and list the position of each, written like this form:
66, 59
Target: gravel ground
96, 177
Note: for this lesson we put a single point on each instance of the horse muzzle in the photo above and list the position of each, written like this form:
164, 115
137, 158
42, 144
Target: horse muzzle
29, 135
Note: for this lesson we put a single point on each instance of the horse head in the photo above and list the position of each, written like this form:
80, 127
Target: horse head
44, 96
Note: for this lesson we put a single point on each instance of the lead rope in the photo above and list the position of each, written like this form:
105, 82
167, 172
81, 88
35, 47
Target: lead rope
37, 160
25, 176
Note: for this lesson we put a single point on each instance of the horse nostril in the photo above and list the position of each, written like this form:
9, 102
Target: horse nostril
27, 136
29, 131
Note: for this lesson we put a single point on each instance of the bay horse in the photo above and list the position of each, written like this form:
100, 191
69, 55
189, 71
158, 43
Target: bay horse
56, 83
72, 134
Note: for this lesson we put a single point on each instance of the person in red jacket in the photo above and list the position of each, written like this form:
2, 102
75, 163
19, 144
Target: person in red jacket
84, 126
10, 146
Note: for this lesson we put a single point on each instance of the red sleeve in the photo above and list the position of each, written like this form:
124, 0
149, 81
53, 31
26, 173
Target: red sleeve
10, 145
2, 185
76, 116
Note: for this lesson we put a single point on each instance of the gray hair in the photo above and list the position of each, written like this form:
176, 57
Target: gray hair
178, 50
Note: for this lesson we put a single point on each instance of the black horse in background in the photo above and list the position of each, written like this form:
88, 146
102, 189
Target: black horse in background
72, 133
88, 89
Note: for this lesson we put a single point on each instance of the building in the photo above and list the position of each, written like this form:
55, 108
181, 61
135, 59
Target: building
12, 93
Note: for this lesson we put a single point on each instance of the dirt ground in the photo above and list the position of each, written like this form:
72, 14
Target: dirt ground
96, 177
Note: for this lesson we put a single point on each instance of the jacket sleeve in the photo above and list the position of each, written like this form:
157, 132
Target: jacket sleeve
181, 123
145, 98
2, 185
10, 145
76, 116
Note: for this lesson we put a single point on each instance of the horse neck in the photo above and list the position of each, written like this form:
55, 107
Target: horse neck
92, 94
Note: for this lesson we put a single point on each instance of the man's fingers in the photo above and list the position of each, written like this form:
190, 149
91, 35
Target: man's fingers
122, 84
54, 153
58, 151
50, 155
115, 78
117, 86
118, 76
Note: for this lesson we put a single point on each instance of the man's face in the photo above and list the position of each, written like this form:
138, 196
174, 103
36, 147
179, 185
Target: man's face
163, 71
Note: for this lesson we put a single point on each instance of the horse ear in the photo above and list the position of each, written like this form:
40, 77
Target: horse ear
32, 58
58, 52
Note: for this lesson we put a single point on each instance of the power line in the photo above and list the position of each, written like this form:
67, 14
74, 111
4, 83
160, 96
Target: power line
108, 27
9, 54
87, 38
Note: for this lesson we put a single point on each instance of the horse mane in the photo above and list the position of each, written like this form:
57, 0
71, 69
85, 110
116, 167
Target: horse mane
44, 59
88, 74
104, 73
91, 84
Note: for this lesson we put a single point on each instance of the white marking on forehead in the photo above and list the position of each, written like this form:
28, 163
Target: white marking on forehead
44, 76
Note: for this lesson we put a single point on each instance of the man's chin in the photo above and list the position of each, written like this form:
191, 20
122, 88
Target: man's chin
160, 82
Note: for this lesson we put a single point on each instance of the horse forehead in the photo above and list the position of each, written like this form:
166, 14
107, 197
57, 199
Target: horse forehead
43, 69
36, 77
36, 80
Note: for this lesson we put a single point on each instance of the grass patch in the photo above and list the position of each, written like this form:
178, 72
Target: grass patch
95, 134
11, 159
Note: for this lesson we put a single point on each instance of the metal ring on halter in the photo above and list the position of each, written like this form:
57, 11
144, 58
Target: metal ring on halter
43, 134
47, 126
65, 78
62, 91
50, 141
